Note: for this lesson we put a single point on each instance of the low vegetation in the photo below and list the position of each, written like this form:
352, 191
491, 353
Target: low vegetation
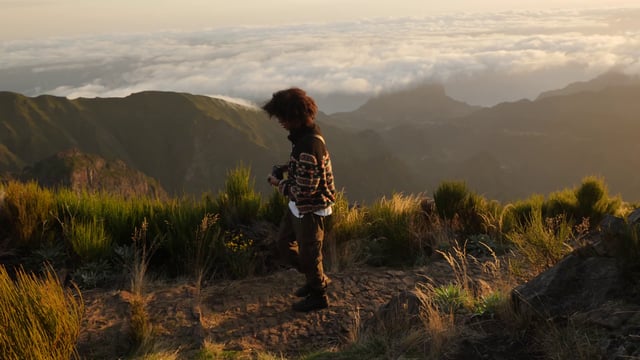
40, 318
230, 234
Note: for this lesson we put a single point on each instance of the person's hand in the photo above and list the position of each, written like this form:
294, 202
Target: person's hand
273, 180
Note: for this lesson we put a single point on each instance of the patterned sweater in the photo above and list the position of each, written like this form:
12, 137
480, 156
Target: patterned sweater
310, 180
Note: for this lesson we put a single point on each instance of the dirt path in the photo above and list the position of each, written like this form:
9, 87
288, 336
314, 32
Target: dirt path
250, 314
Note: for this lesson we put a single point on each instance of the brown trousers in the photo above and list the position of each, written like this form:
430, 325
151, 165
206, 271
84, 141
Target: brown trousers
300, 244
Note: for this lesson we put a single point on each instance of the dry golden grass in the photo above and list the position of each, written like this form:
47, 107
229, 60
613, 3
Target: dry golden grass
141, 327
40, 318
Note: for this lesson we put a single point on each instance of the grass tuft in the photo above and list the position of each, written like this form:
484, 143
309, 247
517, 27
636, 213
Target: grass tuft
40, 318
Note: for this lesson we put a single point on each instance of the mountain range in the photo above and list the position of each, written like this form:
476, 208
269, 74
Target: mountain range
409, 141
187, 142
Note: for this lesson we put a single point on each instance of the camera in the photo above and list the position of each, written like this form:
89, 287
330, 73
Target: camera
278, 171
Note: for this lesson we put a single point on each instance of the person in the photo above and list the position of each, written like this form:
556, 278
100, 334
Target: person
309, 186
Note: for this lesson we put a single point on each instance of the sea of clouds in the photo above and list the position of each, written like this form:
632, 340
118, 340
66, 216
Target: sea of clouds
481, 58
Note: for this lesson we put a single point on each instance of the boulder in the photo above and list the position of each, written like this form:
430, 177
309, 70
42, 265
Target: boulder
634, 217
403, 311
576, 284
611, 224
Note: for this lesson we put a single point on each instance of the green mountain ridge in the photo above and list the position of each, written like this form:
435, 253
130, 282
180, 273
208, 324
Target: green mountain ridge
506, 152
514, 149
187, 142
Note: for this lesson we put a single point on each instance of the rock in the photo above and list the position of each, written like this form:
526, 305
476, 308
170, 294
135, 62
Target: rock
634, 217
400, 313
607, 319
612, 224
575, 284
81, 171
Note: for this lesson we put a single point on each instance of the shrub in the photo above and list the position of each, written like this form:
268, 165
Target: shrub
593, 201
542, 241
41, 319
521, 211
396, 226
451, 198
238, 250
450, 298
275, 208
176, 224
239, 203
95, 273
560, 203
141, 327
346, 233
590, 200
454, 201
491, 303
203, 250
120, 215
347, 222
89, 240
27, 209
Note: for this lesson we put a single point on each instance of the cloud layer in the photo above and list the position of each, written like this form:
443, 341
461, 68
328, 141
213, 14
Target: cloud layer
482, 59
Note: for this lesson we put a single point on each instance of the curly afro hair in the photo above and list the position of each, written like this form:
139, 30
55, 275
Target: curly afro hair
292, 106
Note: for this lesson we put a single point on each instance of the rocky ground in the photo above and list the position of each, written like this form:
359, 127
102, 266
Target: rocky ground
589, 302
251, 314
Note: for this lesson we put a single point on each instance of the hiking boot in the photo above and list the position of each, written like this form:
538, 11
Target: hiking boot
311, 302
303, 291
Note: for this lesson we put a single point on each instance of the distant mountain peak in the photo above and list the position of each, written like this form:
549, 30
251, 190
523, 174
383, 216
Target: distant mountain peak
423, 103
601, 82
404, 98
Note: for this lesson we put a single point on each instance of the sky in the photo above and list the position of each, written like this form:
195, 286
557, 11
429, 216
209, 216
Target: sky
342, 52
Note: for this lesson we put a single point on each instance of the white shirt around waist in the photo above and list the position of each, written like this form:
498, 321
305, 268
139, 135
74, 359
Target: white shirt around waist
322, 212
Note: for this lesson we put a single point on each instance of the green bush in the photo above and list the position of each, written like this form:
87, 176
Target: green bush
239, 203
238, 249
203, 248
593, 201
346, 234
347, 222
40, 319
27, 208
543, 241
590, 200
491, 303
275, 208
177, 224
455, 202
450, 298
560, 203
89, 240
396, 227
521, 211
